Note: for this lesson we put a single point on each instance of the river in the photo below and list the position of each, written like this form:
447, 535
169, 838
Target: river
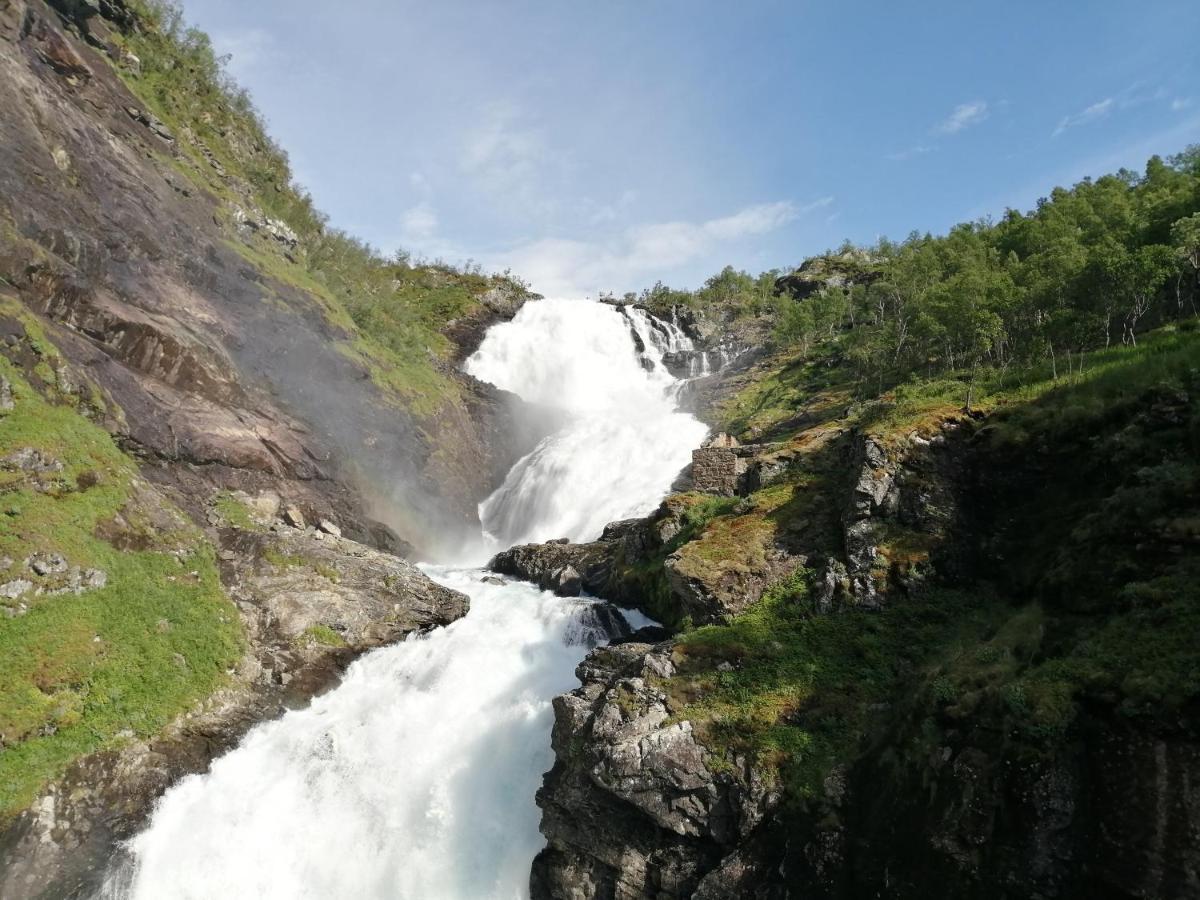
415, 777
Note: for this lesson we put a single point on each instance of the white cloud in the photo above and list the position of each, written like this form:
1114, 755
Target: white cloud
418, 223
1180, 103
1093, 113
562, 267
608, 212
964, 116
245, 48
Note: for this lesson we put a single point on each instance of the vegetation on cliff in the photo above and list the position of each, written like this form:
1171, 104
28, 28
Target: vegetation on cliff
968, 534
395, 310
114, 616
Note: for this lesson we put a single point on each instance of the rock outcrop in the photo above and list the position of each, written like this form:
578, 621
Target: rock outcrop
635, 806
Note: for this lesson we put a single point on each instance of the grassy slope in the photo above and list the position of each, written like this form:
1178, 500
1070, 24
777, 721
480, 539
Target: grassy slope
1088, 613
80, 672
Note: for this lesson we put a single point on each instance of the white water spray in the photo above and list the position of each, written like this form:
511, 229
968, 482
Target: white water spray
415, 777
624, 441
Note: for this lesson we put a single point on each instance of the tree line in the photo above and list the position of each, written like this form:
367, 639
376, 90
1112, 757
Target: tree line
1090, 266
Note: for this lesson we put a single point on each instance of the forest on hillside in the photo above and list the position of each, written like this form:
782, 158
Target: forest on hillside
1091, 265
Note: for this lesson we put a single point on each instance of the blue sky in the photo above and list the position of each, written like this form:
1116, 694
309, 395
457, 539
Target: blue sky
605, 145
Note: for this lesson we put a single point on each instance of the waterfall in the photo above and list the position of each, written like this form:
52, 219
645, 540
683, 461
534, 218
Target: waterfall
415, 777
623, 442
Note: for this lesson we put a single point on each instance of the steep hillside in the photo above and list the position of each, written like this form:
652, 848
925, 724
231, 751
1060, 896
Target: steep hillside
150, 222
948, 655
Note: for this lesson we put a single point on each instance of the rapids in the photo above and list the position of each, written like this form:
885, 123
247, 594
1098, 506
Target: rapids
415, 777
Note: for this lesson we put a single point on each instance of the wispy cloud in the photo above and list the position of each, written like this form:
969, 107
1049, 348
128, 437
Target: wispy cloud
418, 223
910, 153
506, 155
563, 267
1180, 103
963, 116
245, 49
1097, 111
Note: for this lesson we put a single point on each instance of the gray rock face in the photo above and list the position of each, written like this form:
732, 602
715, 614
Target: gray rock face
636, 806
555, 565
566, 582
29, 459
114, 242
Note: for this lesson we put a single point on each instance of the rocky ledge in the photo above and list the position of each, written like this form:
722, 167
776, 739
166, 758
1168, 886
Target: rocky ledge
311, 602
635, 805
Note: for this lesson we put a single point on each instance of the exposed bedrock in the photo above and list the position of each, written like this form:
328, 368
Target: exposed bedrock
212, 361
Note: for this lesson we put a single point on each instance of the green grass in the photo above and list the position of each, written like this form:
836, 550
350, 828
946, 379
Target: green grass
78, 673
323, 635
234, 512
800, 694
392, 313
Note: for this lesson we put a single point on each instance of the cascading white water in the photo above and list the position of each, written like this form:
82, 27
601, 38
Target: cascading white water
624, 441
415, 777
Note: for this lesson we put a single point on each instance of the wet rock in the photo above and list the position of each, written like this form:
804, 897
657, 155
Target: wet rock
492, 579
60, 56
597, 623
566, 582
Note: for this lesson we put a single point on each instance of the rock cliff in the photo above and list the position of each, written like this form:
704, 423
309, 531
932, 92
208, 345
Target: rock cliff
926, 674
185, 382
153, 269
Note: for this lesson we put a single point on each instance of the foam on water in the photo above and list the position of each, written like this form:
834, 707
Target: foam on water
415, 777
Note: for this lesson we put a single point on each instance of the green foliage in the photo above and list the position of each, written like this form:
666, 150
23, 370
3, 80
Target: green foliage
796, 690
1089, 265
80, 672
1094, 606
323, 635
727, 296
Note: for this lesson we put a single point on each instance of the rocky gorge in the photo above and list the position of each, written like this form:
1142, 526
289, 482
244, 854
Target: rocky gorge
757, 626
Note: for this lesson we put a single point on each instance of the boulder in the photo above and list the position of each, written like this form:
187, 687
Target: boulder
15, 588
29, 459
292, 516
46, 564
566, 582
